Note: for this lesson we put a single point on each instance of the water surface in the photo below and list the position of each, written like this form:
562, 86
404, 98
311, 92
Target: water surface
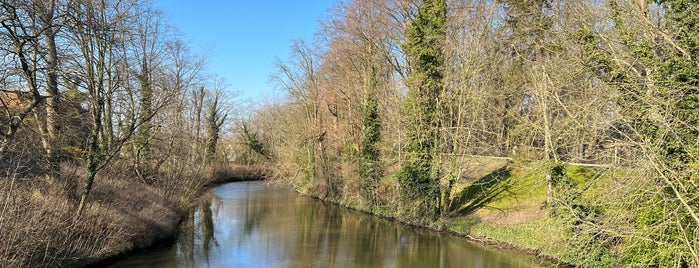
248, 224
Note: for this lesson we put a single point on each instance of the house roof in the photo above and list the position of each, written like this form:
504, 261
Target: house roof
13, 98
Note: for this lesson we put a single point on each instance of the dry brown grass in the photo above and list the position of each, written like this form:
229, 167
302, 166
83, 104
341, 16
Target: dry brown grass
39, 228
523, 212
232, 172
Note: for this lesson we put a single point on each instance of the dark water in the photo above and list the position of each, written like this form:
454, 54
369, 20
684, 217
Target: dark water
250, 225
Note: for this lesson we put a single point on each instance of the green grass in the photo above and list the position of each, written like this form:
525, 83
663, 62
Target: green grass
506, 202
509, 205
528, 186
462, 225
507, 188
546, 235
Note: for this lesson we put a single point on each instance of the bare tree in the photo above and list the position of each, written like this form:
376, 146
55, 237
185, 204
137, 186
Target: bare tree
22, 32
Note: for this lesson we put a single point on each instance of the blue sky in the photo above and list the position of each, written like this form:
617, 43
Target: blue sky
244, 37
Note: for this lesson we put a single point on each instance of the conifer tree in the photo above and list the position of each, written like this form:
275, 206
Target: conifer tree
370, 169
215, 121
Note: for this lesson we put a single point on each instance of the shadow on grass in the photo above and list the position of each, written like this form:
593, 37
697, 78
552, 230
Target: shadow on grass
481, 192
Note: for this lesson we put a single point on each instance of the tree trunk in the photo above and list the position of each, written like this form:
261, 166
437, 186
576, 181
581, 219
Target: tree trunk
547, 150
52, 102
198, 107
93, 153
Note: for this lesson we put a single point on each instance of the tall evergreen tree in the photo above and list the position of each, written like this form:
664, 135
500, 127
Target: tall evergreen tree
370, 168
419, 174
214, 122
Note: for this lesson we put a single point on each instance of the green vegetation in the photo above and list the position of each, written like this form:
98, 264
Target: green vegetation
420, 170
370, 169
520, 218
658, 94
565, 127
214, 122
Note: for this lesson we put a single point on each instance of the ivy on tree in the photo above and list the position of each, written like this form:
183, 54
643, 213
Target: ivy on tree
419, 174
370, 167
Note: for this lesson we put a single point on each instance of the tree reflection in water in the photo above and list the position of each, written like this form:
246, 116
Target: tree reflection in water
250, 225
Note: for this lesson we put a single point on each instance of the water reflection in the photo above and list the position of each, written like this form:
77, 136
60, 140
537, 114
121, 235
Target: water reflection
250, 225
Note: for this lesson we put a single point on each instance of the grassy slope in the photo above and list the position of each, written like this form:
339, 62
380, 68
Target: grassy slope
503, 203
508, 206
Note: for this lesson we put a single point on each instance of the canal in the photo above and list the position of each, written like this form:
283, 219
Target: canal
248, 224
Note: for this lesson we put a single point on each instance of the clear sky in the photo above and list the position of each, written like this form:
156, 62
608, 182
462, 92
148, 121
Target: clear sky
244, 37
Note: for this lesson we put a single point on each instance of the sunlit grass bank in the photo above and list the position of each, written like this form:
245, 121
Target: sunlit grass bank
508, 208
503, 203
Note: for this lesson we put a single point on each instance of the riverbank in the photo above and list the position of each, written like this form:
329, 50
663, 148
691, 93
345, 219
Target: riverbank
40, 228
467, 229
251, 224
216, 177
503, 204
480, 233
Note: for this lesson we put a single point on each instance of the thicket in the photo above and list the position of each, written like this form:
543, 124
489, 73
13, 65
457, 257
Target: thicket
612, 84
109, 127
